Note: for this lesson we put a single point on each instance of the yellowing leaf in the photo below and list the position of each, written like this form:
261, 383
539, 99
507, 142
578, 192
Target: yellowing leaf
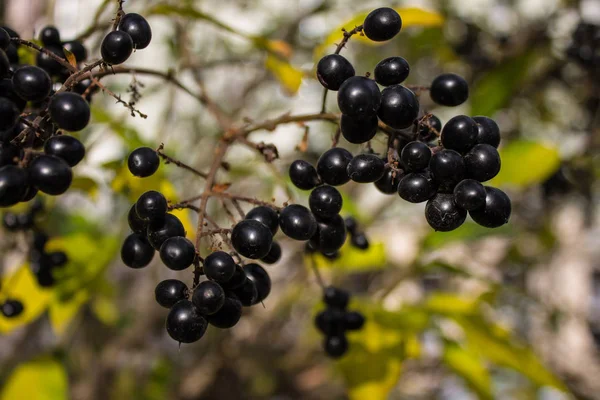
105, 310
470, 367
43, 379
353, 260
289, 77
63, 312
70, 57
280, 48
526, 163
411, 16
85, 184
449, 303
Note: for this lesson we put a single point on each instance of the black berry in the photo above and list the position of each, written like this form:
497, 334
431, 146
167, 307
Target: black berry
219, 267
429, 128
449, 90
116, 47
265, 215
143, 162
333, 70
9, 154
460, 134
247, 293
353, 320
336, 346
417, 187
177, 253
360, 241
237, 280
208, 297
332, 166
51, 175
228, 315
261, 279
4, 39
359, 130
251, 238
169, 292
48, 63
335, 297
66, 147
331, 234
136, 224
415, 156
488, 131
31, 83
70, 111
330, 321
496, 211
303, 175
77, 48
9, 114
365, 168
399, 107
443, 214
448, 168
482, 162
388, 183
138, 28
297, 222
391, 71
274, 254
359, 97
136, 251
162, 229
151, 206
382, 24
13, 183
469, 194
50, 36
325, 201
184, 322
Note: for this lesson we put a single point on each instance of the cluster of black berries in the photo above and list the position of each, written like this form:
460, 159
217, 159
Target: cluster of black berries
585, 46
358, 238
335, 320
447, 175
133, 32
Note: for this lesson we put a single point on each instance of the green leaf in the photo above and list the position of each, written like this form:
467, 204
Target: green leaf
42, 379
189, 12
354, 260
470, 367
526, 163
468, 232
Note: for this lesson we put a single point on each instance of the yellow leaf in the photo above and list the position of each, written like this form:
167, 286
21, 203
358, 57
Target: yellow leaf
354, 260
23, 286
70, 57
278, 47
85, 184
105, 310
63, 312
470, 367
411, 16
289, 77
42, 379
449, 303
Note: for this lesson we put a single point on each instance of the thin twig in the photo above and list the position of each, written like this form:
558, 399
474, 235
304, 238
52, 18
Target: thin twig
171, 160
50, 54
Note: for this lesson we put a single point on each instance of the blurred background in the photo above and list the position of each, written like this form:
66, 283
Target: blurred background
510, 313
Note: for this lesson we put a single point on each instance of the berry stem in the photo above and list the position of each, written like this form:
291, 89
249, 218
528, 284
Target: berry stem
171, 160
50, 54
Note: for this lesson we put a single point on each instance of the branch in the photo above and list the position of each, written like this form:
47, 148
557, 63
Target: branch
171, 160
50, 54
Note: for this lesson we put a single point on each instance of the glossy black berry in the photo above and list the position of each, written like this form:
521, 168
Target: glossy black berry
460, 134
138, 28
449, 90
169, 292
482, 162
415, 156
360, 241
391, 71
359, 97
66, 147
219, 267
184, 322
9, 154
228, 315
43, 271
247, 293
443, 214
330, 321
162, 229
429, 128
353, 320
332, 166
297, 222
237, 280
365, 168
48, 63
331, 234
325, 201
496, 211
9, 114
336, 346
7, 91
116, 47
382, 24
77, 48
469, 194
265, 215
13, 183
5, 68
303, 175
31, 83
399, 107
39, 241
151, 206
351, 225
359, 130
208, 297
274, 254
136, 251
333, 70
51, 175
136, 224
261, 279
70, 111
388, 183
251, 238
4, 39
335, 297
448, 168
177, 253
50, 36
143, 162
488, 131
417, 187
11, 308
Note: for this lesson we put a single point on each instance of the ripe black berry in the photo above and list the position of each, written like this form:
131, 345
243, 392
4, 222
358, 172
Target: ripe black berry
7, 91
251, 238
360, 241
488, 131
443, 214
161, 230
143, 162
9, 114
429, 128
331, 235
335, 297
50, 36
70, 111
359, 97
219, 267
359, 130
228, 315
415, 156
138, 28
11, 308
247, 293
5, 68
332, 166
330, 321
303, 175
66, 147
49, 64
13, 183
460, 134
9, 154
449, 90
136, 251
325, 201
333, 70
184, 322
365, 168
77, 48
297, 222
388, 183
177, 253
136, 224
31, 83
58, 258
336, 346
399, 107
482, 162
151, 206
237, 280
116, 47
496, 211
469, 194
351, 225
391, 71
448, 168
382, 24
208, 297
265, 215
4, 39
353, 320
261, 279
274, 254
417, 187
51, 175
169, 292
